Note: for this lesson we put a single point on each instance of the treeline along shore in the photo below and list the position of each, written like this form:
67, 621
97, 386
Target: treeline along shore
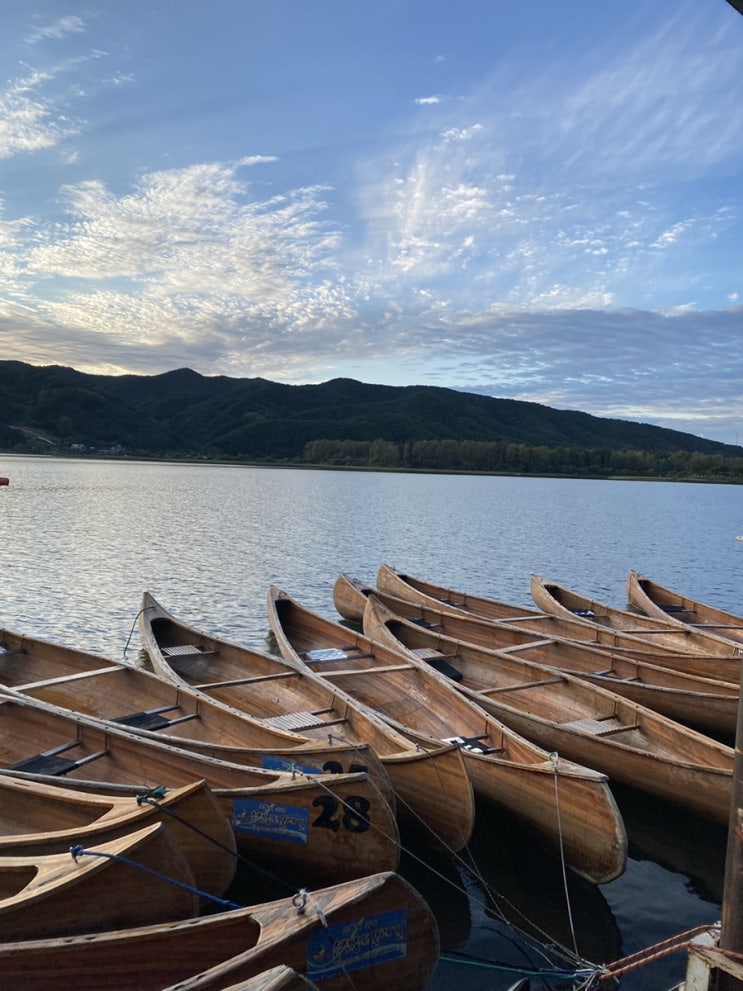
343, 424
523, 459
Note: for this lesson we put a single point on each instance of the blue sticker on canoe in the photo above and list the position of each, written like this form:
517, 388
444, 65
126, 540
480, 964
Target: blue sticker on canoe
355, 945
273, 763
270, 820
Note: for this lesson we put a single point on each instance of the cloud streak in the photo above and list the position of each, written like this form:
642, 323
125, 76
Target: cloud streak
546, 236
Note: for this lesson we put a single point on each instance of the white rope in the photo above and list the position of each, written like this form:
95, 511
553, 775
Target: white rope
555, 760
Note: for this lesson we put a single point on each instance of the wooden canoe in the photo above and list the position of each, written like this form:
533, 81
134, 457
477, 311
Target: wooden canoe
431, 785
139, 878
505, 768
718, 658
371, 933
579, 720
156, 708
548, 624
307, 827
703, 704
38, 819
659, 602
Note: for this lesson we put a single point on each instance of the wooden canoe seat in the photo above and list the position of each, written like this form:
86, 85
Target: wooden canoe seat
439, 662
297, 722
52, 763
474, 744
672, 607
599, 727
152, 719
185, 650
420, 621
326, 654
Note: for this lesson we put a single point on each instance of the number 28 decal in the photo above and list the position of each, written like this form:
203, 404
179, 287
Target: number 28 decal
355, 816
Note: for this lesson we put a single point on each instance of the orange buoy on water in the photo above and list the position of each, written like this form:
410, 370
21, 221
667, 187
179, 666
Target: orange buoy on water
4, 481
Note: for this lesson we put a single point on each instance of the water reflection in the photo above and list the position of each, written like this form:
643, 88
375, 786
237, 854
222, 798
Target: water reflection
82, 540
676, 840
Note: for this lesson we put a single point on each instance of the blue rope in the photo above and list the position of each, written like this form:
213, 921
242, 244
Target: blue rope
80, 851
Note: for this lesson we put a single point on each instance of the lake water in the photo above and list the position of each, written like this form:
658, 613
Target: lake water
81, 540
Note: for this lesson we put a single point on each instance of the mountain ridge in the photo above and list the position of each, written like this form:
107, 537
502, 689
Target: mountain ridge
184, 413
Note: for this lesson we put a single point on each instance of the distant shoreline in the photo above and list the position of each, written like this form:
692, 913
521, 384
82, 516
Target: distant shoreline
304, 466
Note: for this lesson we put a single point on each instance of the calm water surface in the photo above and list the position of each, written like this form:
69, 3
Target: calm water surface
81, 541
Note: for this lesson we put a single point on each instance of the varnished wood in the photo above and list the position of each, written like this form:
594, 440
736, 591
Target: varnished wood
718, 658
431, 783
274, 814
701, 703
585, 620
98, 888
231, 948
111, 690
38, 819
504, 767
628, 742
660, 602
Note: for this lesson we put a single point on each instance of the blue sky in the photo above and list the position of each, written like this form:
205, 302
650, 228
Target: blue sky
522, 198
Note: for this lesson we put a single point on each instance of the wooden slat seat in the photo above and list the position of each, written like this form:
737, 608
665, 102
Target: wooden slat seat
599, 727
52, 763
327, 654
297, 722
439, 662
153, 719
185, 650
530, 645
424, 624
473, 744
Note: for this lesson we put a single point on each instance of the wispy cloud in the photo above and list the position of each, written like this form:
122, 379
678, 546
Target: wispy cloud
543, 235
57, 30
28, 121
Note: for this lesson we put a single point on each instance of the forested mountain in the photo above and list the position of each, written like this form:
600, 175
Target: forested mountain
184, 414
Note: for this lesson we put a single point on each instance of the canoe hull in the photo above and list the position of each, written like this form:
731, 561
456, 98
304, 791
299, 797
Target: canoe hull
38, 819
309, 827
434, 792
703, 790
662, 603
573, 718
718, 656
124, 882
702, 703
515, 773
139, 700
214, 952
